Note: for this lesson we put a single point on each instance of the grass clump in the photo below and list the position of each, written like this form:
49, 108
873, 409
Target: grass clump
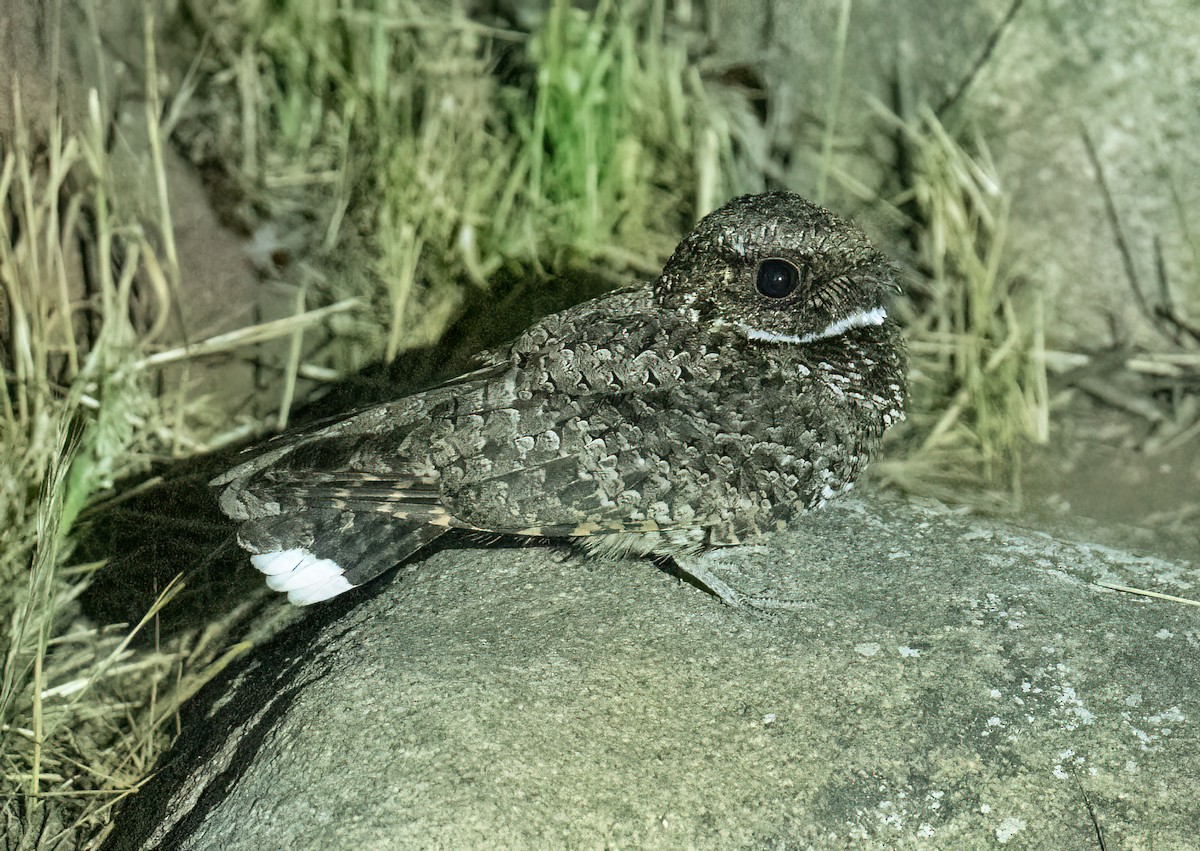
83, 713
975, 329
454, 149
606, 142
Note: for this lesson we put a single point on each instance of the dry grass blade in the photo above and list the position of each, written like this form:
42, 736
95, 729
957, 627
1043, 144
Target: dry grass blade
1142, 592
835, 97
249, 335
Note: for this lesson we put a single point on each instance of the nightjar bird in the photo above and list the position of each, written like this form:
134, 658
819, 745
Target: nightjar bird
748, 384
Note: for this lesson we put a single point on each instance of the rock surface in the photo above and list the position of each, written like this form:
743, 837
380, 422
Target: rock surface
917, 678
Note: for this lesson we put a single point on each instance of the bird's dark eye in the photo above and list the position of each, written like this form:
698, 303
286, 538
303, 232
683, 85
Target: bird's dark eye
777, 278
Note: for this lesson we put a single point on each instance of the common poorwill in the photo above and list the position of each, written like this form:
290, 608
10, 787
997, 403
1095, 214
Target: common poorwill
748, 384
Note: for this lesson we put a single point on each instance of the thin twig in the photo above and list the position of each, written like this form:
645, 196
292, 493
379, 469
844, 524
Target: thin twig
1166, 310
1110, 208
1087, 802
988, 49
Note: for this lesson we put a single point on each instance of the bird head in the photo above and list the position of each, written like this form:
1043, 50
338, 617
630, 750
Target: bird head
777, 269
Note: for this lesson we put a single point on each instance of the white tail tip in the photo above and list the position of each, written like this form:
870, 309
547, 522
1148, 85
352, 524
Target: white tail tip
306, 578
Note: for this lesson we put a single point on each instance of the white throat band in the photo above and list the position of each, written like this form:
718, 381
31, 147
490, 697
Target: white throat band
875, 316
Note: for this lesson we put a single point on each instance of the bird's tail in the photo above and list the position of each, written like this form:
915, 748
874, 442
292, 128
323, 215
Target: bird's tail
314, 555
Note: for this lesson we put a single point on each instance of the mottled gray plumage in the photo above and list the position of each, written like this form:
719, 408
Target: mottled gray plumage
750, 383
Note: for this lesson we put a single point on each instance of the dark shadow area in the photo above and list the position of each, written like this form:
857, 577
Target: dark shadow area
248, 698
